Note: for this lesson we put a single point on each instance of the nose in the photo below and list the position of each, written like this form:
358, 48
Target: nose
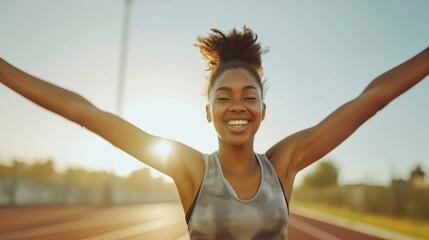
237, 106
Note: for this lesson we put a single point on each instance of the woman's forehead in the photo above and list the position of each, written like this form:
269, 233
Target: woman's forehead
235, 78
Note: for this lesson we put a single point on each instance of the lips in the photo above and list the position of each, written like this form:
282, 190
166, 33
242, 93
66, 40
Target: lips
238, 125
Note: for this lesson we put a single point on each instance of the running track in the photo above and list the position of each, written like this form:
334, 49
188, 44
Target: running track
140, 221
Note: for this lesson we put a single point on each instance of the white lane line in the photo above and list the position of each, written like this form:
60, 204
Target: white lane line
353, 225
138, 229
77, 225
313, 231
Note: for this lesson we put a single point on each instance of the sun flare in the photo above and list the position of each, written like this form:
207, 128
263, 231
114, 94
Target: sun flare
163, 148
170, 117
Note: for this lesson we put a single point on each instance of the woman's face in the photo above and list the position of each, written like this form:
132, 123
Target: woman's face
236, 107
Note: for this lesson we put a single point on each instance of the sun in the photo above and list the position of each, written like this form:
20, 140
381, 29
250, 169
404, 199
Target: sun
163, 148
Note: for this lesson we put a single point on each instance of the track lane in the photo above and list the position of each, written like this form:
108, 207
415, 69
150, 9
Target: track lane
140, 221
305, 228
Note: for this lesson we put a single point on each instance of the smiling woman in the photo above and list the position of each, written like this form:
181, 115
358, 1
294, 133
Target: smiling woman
232, 193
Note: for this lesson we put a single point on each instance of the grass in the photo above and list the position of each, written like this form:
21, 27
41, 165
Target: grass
414, 227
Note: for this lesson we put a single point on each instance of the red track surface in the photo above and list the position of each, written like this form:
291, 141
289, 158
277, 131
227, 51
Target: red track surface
143, 221
304, 228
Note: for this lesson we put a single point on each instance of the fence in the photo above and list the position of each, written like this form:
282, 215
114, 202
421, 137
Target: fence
20, 191
400, 199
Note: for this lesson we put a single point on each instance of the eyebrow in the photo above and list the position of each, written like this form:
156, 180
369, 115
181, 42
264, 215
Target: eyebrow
230, 90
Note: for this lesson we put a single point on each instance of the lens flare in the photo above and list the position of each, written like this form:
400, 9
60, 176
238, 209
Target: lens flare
163, 148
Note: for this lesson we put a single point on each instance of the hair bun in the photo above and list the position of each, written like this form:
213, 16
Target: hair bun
219, 48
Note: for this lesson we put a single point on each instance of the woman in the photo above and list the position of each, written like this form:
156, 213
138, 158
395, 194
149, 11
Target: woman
232, 193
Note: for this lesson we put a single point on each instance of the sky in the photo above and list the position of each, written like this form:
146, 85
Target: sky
322, 54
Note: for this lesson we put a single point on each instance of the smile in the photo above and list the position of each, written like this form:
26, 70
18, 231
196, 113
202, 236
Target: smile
237, 122
238, 126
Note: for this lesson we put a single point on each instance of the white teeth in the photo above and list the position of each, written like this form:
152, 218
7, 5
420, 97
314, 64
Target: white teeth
237, 122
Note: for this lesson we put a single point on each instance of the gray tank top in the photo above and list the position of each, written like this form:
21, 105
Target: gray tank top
218, 213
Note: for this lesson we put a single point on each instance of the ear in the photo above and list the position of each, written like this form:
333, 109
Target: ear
209, 115
264, 107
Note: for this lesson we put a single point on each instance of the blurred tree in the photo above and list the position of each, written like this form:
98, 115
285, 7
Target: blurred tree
83, 178
20, 169
325, 174
42, 171
417, 178
142, 180
5, 171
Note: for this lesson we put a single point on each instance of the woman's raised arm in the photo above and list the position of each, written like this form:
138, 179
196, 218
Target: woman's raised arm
114, 129
44, 94
301, 149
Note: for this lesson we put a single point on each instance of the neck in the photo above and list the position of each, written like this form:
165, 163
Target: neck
237, 159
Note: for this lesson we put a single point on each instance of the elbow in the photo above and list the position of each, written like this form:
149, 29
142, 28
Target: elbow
81, 110
379, 97
77, 115
380, 103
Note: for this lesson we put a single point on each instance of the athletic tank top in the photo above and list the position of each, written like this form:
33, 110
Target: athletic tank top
218, 213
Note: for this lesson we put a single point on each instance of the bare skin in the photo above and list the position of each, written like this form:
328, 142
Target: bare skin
234, 96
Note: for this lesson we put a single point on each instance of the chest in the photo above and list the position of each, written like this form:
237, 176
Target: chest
220, 214
237, 207
244, 186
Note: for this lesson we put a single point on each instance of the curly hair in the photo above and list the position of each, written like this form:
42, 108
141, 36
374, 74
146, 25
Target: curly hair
233, 50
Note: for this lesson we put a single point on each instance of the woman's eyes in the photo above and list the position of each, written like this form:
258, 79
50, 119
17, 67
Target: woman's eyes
250, 98
227, 99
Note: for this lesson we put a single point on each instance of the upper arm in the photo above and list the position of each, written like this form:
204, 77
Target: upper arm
301, 149
305, 147
138, 143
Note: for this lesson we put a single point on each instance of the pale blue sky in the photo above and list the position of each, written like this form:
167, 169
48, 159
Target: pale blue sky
322, 54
